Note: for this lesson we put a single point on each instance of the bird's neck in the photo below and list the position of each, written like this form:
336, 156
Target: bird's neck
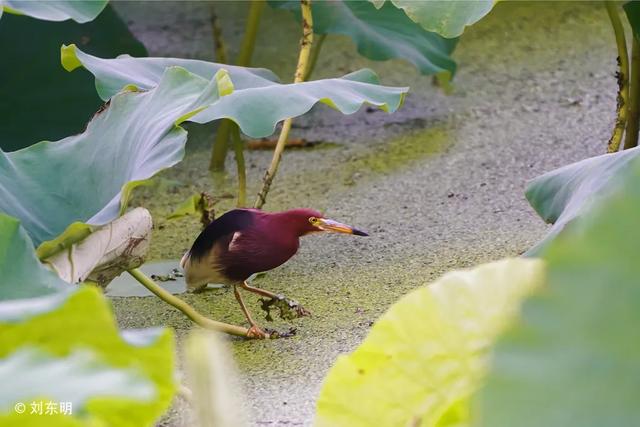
288, 228
279, 230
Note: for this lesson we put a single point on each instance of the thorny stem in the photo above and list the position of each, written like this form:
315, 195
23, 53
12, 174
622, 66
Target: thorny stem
623, 78
631, 137
185, 308
220, 145
303, 61
315, 52
242, 175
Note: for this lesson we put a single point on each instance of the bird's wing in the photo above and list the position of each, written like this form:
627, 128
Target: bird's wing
220, 230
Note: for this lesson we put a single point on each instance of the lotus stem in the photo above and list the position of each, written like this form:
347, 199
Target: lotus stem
622, 76
250, 33
220, 146
633, 114
303, 62
219, 152
218, 41
185, 308
221, 143
242, 174
315, 52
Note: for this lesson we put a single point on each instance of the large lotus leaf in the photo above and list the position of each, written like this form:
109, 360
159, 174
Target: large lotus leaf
56, 10
34, 85
562, 195
572, 360
381, 34
111, 75
53, 184
445, 17
66, 347
257, 104
21, 273
428, 353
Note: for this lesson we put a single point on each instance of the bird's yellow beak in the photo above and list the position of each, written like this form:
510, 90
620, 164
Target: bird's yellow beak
338, 227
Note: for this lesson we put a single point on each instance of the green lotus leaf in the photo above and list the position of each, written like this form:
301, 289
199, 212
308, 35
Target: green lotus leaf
257, 104
445, 17
56, 10
127, 192
428, 353
80, 178
73, 234
21, 273
572, 360
65, 348
562, 195
112, 75
37, 86
194, 205
381, 34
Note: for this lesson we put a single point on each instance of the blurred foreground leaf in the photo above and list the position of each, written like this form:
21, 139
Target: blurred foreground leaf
562, 195
21, 273
427, 355
42, 100
572, 360
257, 104
380, 34
448, 18
65, 347
213, 378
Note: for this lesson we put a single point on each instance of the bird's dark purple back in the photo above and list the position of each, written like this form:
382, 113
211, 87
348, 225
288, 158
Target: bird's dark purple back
221, 229
249, 241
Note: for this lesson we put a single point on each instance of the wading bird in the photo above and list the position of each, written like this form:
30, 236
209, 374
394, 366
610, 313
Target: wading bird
246, 241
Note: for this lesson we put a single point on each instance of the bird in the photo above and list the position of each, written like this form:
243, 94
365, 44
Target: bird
243, 242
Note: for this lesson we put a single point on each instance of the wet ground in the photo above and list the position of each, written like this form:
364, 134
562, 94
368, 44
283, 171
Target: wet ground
439, 185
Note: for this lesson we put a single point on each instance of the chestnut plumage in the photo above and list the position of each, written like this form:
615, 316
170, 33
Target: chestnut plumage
246, 241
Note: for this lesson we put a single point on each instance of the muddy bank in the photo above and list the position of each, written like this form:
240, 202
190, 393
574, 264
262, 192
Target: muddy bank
439, 185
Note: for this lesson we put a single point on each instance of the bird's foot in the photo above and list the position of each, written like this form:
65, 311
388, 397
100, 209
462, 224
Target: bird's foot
273, 334
255, 332
288, 309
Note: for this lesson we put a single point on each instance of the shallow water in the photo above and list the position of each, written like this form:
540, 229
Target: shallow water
438, 185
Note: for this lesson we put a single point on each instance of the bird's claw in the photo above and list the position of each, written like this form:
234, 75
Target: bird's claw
288, 309
255, 332
301, 311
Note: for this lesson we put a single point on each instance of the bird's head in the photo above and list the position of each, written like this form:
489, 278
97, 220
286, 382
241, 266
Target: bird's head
310, 221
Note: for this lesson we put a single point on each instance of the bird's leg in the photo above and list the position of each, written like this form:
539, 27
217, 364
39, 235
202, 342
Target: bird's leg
254, 330
259, 291
289, 309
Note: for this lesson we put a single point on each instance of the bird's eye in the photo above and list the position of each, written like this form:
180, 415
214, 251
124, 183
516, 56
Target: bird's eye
314, 221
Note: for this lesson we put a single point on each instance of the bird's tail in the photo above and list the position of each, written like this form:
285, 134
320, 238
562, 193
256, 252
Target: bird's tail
192, 273
185, 258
